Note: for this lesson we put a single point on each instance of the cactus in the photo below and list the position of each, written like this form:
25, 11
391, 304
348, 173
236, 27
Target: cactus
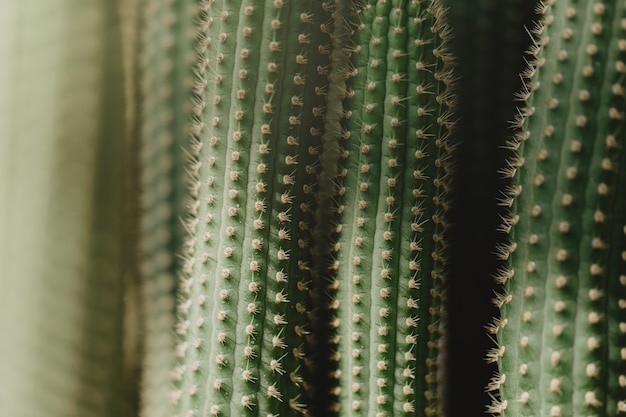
249, 144
308, 191
165, 70
282, 150
561, 332
391, 249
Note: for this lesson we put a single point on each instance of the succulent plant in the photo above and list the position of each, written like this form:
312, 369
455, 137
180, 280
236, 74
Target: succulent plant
561, 332
312, 156
279, 118
307, 190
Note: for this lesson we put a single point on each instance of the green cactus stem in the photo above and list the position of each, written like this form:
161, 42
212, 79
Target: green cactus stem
286, 170
561, 331
258, 114
391, 256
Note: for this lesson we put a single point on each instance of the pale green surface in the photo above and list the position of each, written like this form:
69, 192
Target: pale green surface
60, 270
165, 41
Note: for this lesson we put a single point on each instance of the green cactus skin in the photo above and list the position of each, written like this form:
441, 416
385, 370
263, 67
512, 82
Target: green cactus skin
561, 332
243, 308
391, 250
260, 122
61, 183
171, 76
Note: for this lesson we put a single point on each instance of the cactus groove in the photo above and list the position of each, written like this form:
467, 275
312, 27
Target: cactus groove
561, 334
244, 309
323, 324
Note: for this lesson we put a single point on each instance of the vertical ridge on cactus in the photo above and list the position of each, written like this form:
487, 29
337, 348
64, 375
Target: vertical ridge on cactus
312, 83
616, 302
351, 293
286, 327
557, 355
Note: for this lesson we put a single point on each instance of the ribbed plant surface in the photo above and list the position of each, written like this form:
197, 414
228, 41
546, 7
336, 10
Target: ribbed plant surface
391, 250
562, 335
312, 138
253, 163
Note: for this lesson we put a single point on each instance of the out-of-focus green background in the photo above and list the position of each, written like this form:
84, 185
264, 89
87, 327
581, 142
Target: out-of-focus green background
66, 229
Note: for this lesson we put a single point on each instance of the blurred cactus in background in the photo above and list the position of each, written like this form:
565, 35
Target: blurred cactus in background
65, 166
283, 208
